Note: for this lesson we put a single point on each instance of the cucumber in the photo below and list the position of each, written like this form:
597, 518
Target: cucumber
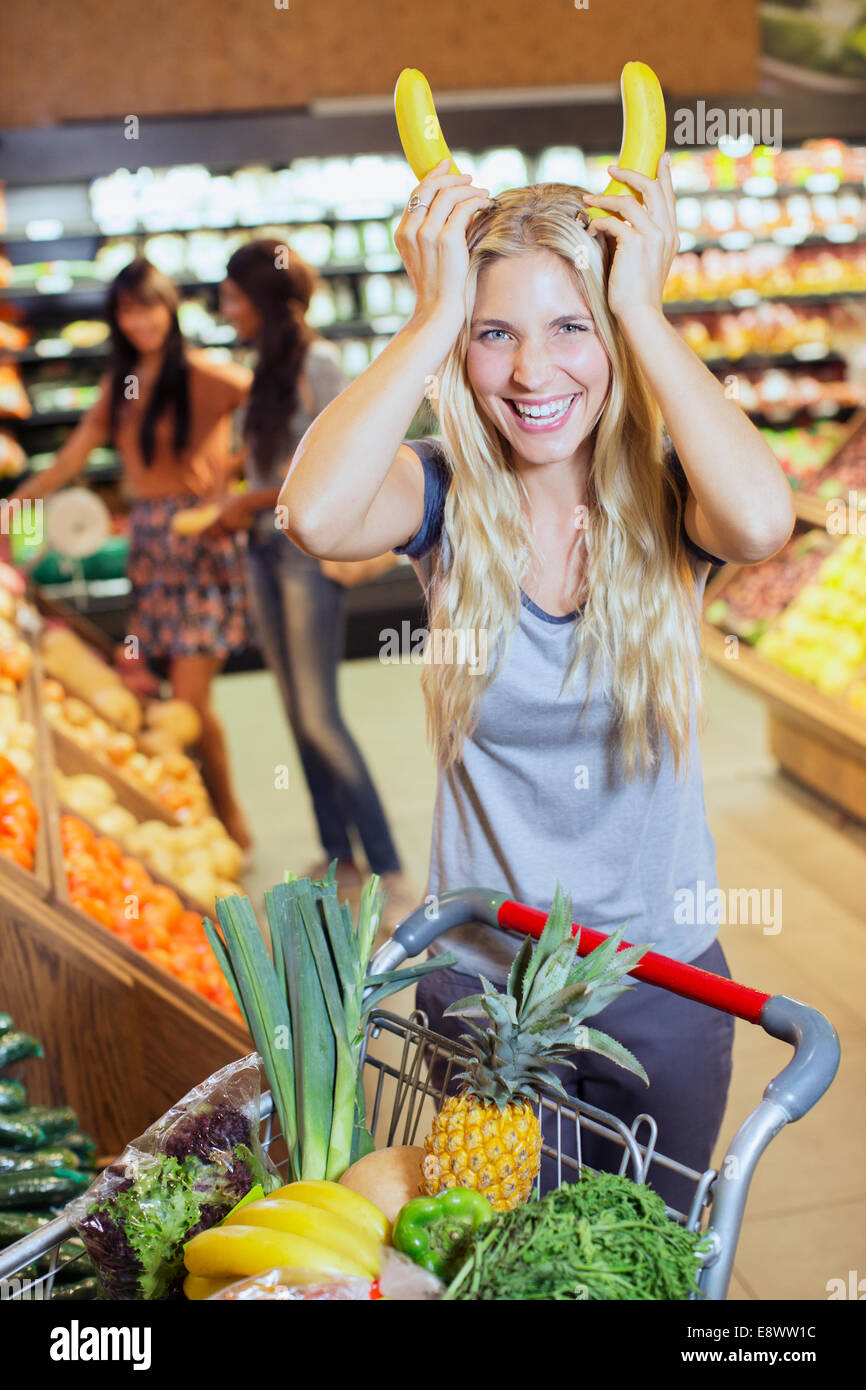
41, 1186
16, 1224
73, 1263
15, 1047
13, 1096
81, 1289
12, 1160
5, 1023
21, 1134
81, 1144
77, 1264
55, 1121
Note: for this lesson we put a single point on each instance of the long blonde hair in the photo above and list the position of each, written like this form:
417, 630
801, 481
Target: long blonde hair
640, 618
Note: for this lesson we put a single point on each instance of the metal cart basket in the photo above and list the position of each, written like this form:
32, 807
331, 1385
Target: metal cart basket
401, 1056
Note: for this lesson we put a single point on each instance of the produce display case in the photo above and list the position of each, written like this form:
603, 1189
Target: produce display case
834, 495
123, 1035
793, 630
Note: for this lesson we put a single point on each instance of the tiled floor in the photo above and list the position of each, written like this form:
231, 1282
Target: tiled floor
806, 1214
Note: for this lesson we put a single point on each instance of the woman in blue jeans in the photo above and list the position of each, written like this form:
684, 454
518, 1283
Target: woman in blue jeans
555, 520
297, 601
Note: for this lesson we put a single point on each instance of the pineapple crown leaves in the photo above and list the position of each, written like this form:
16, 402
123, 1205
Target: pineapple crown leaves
591, 1040
538, 1019
500, 1008
557, 929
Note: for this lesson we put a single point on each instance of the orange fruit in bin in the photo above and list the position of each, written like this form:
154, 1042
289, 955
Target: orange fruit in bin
159, 956
20, 855
99, 911
73, 827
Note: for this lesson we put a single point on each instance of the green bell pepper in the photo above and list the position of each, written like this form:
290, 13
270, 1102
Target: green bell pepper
436, 1232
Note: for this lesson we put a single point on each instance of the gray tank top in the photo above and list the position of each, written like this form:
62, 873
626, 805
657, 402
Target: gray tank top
534, 797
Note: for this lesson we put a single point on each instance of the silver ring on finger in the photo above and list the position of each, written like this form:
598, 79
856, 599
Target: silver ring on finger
415, 202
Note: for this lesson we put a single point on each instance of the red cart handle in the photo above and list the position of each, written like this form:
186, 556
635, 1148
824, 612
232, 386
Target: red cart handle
675, 975
816, 1047
448, 910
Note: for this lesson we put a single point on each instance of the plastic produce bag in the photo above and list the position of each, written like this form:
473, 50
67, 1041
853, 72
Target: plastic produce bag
291, 1285
183, 1175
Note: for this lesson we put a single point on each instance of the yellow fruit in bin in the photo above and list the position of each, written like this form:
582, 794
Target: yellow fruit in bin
116, 822
226, 889
833, 677
77, 712
119, 705
199, 885
857, 697
226, 858
137, 764
22, 760
120, 747
88, 795
176, 719
161, 861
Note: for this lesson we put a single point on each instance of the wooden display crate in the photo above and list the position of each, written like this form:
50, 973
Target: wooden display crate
71, 759
123, 1039
811, 509
817, 738
38, 881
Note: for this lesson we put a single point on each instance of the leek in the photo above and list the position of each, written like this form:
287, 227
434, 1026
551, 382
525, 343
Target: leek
304, 1004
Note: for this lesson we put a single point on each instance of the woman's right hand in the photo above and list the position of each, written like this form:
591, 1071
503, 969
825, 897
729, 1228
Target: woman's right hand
431, 240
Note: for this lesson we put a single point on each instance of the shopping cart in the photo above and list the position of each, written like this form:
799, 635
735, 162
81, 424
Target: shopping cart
400, 1056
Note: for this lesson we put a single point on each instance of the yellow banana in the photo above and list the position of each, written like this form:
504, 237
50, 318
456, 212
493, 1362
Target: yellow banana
342, 1201
233, 1250
644, 129
418, 124
191, 520
197, 1286
301, 1219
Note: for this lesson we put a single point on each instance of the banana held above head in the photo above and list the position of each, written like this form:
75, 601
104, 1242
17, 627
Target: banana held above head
643, 135
418, 124
643, 128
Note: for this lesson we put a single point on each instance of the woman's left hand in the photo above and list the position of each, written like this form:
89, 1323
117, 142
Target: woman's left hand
235, 514
646, 243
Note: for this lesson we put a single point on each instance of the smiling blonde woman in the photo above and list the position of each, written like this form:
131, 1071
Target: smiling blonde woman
557, 515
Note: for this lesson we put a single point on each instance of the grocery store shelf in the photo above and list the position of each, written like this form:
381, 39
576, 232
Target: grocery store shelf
756, 361
81, 297
76, 245
744, 241
747, 299
43, 418
809, 355
71, 417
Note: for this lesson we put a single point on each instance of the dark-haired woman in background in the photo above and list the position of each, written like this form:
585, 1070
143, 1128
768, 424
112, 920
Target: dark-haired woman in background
168, 409
298, 600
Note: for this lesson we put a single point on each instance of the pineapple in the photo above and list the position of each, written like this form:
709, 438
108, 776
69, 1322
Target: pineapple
489, 1136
